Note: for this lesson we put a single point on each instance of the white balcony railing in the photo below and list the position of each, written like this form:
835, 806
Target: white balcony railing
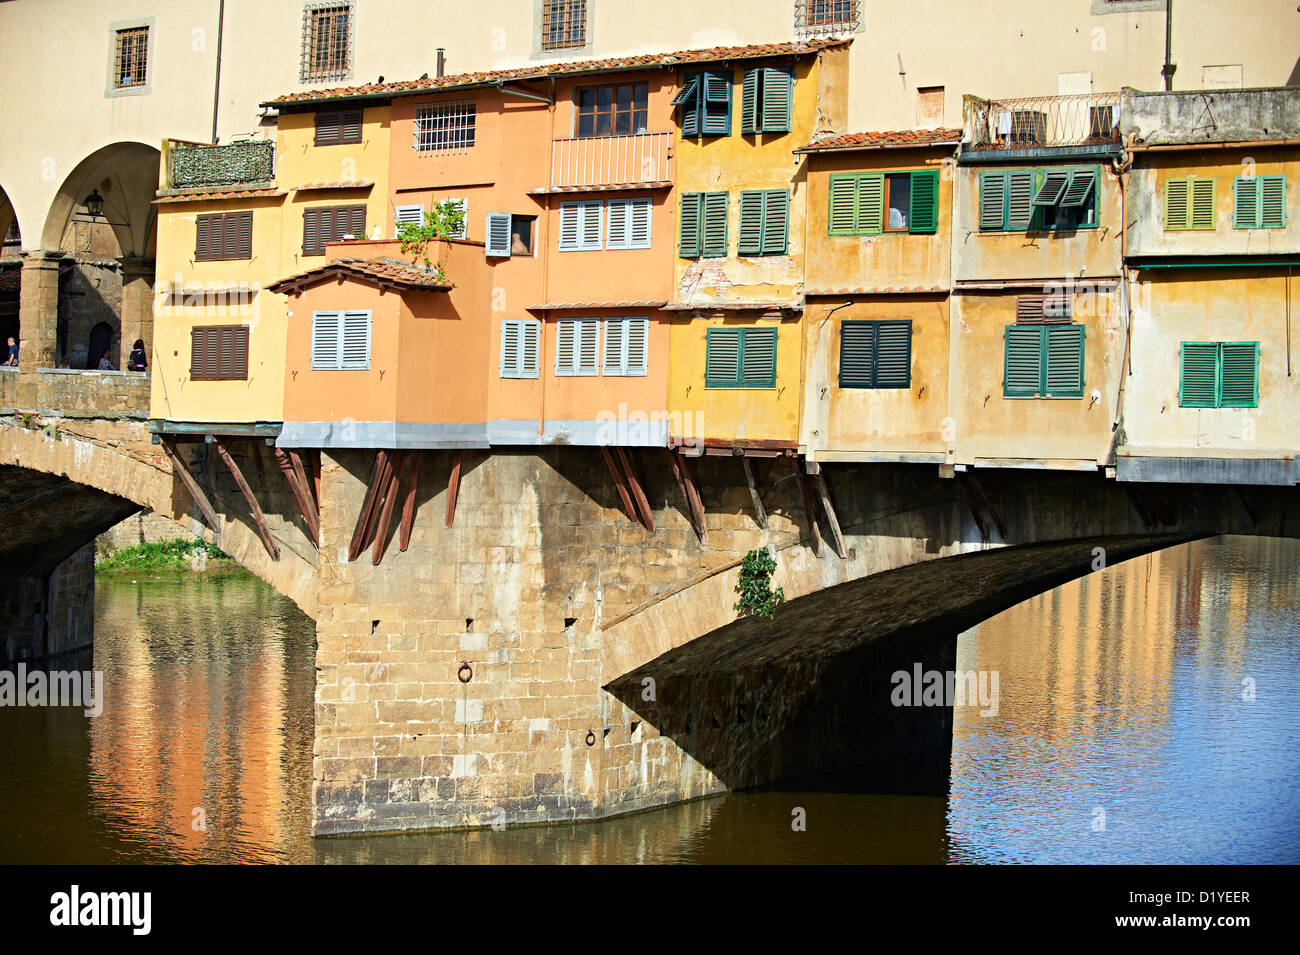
611, 160
1084, 119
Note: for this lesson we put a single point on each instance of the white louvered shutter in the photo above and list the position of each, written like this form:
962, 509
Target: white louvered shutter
408, 215
589, 346
616, 231
325, 339
639, 223
626, 346
530, 349
463, 206
566, 333
356, 341
570, 219
498, 235
510, 348
591, 232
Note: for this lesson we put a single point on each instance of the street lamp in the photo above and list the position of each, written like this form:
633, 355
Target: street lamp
94, 204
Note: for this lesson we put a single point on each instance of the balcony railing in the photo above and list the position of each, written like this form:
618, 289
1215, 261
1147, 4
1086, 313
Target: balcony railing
197, 165
1084, 119
611, 160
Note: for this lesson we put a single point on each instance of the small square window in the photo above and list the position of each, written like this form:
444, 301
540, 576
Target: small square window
564, 24
521, 235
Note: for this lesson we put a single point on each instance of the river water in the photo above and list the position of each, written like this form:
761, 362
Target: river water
1148, 713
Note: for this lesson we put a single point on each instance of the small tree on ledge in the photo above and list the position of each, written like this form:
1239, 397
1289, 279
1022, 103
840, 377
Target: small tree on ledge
757, 598
442, 220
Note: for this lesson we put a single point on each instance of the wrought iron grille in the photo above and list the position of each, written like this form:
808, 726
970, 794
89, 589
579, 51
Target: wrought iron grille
564, 24
1082, 119
131, 62
826, 17
444, 127
327, 30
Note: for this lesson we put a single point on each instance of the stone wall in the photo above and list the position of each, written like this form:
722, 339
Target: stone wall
49, 615
146, 527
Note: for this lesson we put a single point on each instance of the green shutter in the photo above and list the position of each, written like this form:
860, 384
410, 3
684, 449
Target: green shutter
1053, 187
758, 357
776, 222
1082, 182
893, 354
993, 201
1063, 366
841, 218
857, 354
740, 358
1238, 374
715, 104
714, 243
751, 223
722, 358
1198, 375
1272, 202
924, 215
1023, 365
749, 102
1245, 202
1020, 198
691, 100
871, 204
688, 244
1177, 205
778, 100
1202, 203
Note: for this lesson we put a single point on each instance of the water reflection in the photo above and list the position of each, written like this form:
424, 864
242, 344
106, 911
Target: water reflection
1121, 736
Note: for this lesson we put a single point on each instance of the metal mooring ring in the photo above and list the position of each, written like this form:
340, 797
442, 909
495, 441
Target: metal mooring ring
465, 673
591, 738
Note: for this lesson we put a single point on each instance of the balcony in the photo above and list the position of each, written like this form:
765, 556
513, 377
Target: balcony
1041, 122
611, 162
198, 166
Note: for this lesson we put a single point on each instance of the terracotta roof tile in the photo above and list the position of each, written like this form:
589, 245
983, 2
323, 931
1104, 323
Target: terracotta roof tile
381, 271
227, 194
339, 184
895, 139
879, 290
556, 306
547, 70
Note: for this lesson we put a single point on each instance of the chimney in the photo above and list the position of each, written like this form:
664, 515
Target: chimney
442, 61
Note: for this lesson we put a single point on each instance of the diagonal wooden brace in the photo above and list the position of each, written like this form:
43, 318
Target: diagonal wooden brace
258, 517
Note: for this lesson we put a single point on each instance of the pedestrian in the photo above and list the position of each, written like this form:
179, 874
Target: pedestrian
13, 353
63, 362
104, 363
137, 361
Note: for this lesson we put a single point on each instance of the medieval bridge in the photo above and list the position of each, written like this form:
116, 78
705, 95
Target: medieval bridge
550, 633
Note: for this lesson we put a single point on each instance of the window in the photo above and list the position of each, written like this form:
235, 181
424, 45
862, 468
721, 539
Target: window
577, 346
1259, 202
703, 224
740, 358
627, 223
1043, 309
520, 344
705, 101
1034, 200
564, 24
326, 42
767, 100
508, 235
1218, 375
131, 58
340, 341
876, 354
612, 110
858, 202
929, 106
331, 224
219, 352
1190, 203
627, 346
223, 236
445, 127
338, 127
581, 225
1043, 361
816, 17
764, 222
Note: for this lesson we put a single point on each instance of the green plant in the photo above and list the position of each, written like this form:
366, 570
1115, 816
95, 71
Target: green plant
757, 598
157, 556
443, 219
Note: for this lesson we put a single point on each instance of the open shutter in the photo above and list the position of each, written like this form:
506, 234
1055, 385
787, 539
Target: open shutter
1082, 182
1239, 374
714, 222
1020, 193
749, 102
923, 216
857, 354
1272, 202
356, 340
1064, 371
1177, 205
722, 358
1022, 369
776, 222
497, 231
871, 204
689, 99
1053, 187
715, 104
778, 99
893, 354
758, 357
1202, 203
325, 333
1198, 385
751, 223
842, 216
993, 201
688, 239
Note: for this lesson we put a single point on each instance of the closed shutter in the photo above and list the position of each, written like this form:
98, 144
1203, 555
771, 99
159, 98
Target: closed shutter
497, 231
203, 227
577, 346
842, 215
1082, 182
778, 100
1272, 202
993, 201
592, 219
758, 357
326, 334
1053, 187
924, 214
857, 354
1239, 374
328, 128
1043, 309
355, 350
461, 206
1245, 202
530, 349
356, 222
1064, 366
722, 358
688, 235
408, 215
689, 99
510, 348
616, 232
636, 346
239, 362
198, 353
244, 235
776, 222
350, 123
311, 243
893, 354
1022, 370
639, 217
1020, 193
751, 224
749, 102
570, 223
715, 104
225, 352
1177, 206
713, 244
566, 341
1198, 385
1202, 216
520, 347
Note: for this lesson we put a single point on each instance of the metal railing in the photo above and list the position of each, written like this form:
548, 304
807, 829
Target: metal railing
1082, 119
611, 160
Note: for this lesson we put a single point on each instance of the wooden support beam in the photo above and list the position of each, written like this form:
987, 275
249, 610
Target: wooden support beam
309, 515
684, 469
973, 506
824, 495
809, 507
412, 480
984, 501
453, 487
370, 505
390, 499
760, 515
258, 517
620, 485
312, 491
638, 492
182, 471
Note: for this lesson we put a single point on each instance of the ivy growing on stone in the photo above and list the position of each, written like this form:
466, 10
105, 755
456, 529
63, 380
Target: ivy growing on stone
757, 598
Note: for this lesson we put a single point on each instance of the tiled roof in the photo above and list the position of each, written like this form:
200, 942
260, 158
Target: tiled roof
879, 290
546, 70
889, 139
614, 187
383, 272
228, 194
734, 307
340, 184
557, 306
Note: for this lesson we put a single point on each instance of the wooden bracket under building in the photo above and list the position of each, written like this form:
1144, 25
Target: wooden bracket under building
760, 515
684, 471
453, 486
370, 505
824, 495
809, 507
182, 471
624, 495
638, 492
258, 517
1139, 505
301, 492
973, 506
412, 480
386, 511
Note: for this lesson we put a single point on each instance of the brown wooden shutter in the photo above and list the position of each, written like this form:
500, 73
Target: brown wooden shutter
327, 128
198, 338
239, 361
350, 126
230, 236
244, 235
212, 353
202, 228
311, 240
1043, 309
356, 222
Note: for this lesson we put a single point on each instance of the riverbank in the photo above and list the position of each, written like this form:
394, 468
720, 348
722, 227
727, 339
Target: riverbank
158, 557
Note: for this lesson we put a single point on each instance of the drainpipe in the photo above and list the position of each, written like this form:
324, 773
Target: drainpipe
216, 81
1122, 167
1167, 71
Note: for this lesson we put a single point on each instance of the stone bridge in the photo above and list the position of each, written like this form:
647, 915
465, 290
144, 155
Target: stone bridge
549, 636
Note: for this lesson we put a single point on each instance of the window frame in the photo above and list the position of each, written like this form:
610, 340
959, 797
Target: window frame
241, 332
340, 362
740, 382
625, 369
874, 374
1189, 225
1185, 401
595, 112
1045, 332
447, 128
928, 227
341, 124
1030, 181
630, 204
703, 249
223, 221
765, 210
546, 33
521, 369
1257, 183
308, 71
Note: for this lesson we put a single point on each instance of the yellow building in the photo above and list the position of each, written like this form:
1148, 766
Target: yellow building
736, 340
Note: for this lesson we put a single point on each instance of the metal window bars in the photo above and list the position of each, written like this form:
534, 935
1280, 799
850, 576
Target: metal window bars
826, 17
1081, 119
326, 42
564, 24
444, 127
131, 64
